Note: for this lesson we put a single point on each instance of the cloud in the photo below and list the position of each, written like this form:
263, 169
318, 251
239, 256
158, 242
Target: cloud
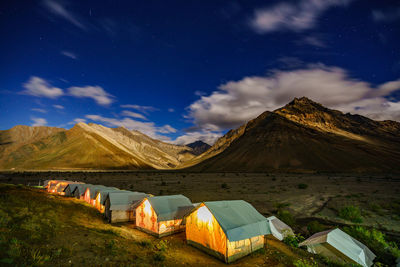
205, 136
39, 110
143, 109
148, 128
133, 114
292, 17
38, 121
171, 110
58, 106
58, 9
41, 88
77, 120
313, 41
386, 15
97, 93
69, 54
237, 102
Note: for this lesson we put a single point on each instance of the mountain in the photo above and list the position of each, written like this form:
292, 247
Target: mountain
86, 146
198, 147
305, 136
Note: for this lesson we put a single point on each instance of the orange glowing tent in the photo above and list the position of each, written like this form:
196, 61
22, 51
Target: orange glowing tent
228, 230
162, 215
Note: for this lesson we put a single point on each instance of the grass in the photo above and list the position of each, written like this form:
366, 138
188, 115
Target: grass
351, 213
37, 228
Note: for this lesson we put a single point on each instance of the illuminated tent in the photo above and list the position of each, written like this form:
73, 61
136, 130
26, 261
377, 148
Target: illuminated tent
51, 185
227, 230
90, 193
60, 187
162, 215
70, 188
339, 246
120, 206
101, 195
80, 190
278, 228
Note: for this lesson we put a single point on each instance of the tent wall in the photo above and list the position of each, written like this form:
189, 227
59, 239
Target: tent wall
114, 216
170, 227
146, 218
241, 248
206, 233
98, 204
330, 252
86, 196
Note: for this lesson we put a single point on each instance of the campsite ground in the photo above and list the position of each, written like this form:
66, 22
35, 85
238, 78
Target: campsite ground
301, 199
305, 196
37, 228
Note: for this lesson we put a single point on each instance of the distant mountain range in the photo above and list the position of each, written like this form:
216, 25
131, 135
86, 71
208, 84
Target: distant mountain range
301, 136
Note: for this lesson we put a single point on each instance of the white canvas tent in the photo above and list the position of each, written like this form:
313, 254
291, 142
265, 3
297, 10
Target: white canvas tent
278, 228
337, 245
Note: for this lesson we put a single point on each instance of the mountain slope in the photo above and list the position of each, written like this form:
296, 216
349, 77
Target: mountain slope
305, 136
93, 147
198, 147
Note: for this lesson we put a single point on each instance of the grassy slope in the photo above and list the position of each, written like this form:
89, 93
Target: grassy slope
38, 228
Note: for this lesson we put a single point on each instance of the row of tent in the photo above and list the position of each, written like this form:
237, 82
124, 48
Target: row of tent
227, 230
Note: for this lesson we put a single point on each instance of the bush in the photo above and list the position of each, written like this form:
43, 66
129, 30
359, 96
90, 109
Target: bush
162, 245
159, 256
315, 227
351, 213
224, 186
304, 263
302, 186
386, 252
293, 240
286, 217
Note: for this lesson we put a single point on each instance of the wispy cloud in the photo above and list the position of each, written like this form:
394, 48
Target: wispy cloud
236, 102
69, 54
312, 40
97, 93
148, 128
171, 110
38, 121
129, 113
39, 110
292, 17
143, 109
58, 106
77, 120
386, 15
59, 9
39, 87
208, 137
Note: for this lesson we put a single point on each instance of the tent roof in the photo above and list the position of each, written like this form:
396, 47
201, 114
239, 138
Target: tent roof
125, 200
343, 242
72, 186
81, 188
93, 188
170, 207
104, 193
62, 188
278, 228
239, 219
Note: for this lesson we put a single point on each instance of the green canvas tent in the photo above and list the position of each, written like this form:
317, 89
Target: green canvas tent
337, 245
119, 206
228, 230
162, 215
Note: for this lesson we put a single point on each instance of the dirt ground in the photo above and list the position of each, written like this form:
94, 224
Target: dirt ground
306, 196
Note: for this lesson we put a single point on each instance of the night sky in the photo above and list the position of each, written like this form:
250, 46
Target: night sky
187, 70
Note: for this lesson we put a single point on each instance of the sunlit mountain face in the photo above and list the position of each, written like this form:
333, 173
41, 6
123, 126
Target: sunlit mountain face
180, 72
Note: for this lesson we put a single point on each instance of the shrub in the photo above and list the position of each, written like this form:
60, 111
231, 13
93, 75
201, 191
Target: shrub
315, 227
162, 245
159, 256
286, 217
145, 244
386, 252
293, 240
224, 186
302, 186
351, 213
163, 183
304, 263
